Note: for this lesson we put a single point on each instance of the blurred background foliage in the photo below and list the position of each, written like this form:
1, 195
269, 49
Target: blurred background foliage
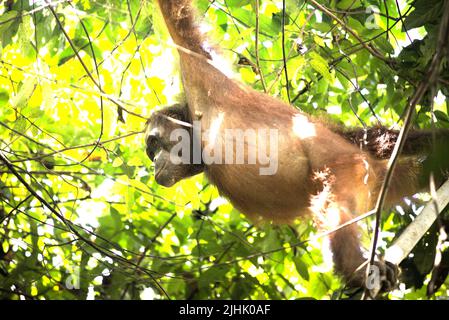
81, 215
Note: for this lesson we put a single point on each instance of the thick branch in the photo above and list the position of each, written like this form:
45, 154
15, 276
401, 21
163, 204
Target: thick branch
403, 245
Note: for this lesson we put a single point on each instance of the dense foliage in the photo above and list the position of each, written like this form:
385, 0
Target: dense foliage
81, 215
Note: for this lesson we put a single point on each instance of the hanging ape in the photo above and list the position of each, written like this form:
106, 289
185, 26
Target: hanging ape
320, 172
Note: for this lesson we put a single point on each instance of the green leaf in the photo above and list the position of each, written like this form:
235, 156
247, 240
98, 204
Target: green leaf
302, 268
320, 65
349, 4
384, 45
4, 97
212, 275
425, 11
117, 162
9, 24
238, 3
249, 19
24, 94
441, 116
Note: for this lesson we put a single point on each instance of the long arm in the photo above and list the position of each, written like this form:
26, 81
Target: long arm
179, 16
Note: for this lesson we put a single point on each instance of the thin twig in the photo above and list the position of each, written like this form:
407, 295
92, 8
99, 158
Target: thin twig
284, 57
259, 70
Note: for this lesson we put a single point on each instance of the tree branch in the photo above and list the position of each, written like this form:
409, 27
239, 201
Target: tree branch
403, 245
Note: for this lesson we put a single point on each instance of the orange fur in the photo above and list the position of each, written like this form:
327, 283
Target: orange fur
353, 177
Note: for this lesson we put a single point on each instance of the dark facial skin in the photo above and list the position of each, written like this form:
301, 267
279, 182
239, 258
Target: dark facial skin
159, 146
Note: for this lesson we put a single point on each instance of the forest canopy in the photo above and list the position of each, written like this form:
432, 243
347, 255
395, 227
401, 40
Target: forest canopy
80, 212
